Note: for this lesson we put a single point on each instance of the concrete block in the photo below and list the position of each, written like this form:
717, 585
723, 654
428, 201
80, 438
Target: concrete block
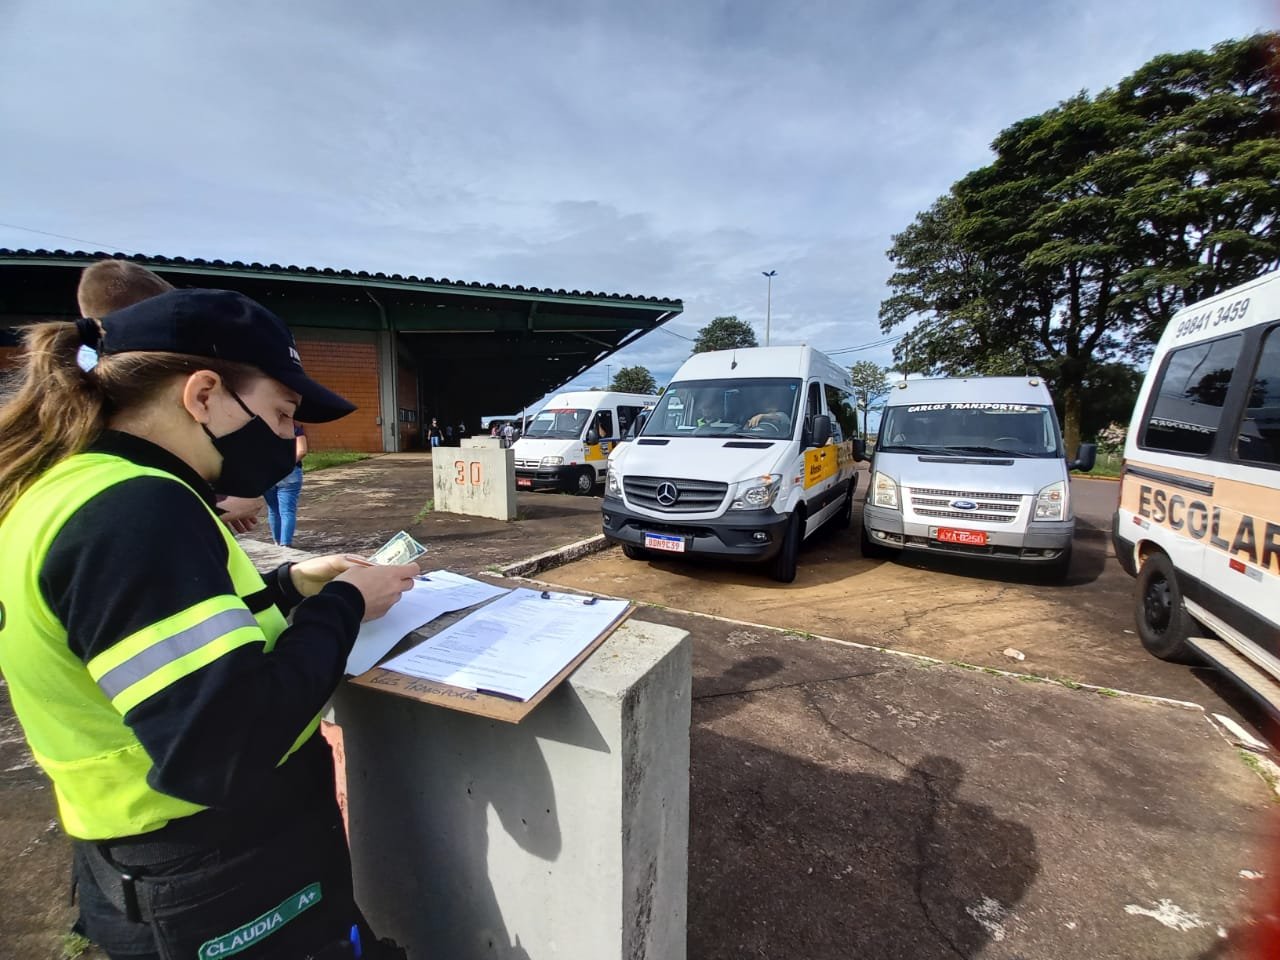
482, 443
564, 836
475, 481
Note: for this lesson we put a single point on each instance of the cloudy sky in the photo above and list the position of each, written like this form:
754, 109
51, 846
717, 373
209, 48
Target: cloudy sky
661, 147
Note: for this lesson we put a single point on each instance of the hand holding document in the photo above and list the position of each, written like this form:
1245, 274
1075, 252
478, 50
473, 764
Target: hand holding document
514, 646
433, 595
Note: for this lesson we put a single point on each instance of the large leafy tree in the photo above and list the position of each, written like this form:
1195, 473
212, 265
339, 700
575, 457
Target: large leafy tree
1094, 223
725, 333
634, 380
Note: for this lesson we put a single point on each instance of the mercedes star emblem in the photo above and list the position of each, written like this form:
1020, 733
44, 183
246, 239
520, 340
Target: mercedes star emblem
668, 493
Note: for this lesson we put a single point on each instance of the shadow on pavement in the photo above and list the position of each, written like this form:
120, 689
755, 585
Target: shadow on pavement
793, 857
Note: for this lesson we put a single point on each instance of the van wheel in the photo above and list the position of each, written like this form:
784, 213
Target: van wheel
844, 519
584, 482
873, 550
1163, 621
632, 552
784, 564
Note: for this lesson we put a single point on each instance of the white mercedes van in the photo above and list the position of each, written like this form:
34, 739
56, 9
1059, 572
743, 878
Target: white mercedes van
972, 466
1199, 516
747, 453
566, 445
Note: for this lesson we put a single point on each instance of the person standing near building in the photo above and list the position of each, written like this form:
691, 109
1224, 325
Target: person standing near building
434, 436
282, 497
153, 671
508, 434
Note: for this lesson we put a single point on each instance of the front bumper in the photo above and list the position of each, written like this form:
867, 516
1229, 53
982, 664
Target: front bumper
1039, 543
547, 478
737, 535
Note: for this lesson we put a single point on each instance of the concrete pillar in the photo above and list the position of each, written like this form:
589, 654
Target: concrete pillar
387, 390
475, 480
564, 836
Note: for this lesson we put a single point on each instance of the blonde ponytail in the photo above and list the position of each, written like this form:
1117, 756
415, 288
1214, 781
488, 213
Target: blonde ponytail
56, 409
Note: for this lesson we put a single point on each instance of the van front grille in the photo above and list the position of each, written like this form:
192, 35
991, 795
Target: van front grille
988, 507
691, 496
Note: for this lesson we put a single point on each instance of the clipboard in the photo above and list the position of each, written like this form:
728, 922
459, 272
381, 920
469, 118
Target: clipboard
490, 705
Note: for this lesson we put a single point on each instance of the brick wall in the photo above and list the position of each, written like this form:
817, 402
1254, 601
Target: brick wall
349, 367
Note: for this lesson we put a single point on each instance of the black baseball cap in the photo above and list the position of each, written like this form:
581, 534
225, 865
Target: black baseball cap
221, 325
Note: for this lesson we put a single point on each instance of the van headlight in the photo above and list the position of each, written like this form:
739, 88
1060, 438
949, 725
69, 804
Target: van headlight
757, 493
552, 461
612, 486
1051, 502
884, 491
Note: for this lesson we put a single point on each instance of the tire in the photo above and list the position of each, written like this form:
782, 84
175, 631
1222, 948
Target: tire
844, 519
583, 483
872, 550
783, 568
1162, 619
632, 552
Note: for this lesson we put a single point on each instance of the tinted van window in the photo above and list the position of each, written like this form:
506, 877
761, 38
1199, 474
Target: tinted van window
1186, 408
1259, 436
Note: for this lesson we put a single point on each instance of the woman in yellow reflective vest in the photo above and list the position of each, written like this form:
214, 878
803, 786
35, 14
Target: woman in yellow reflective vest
156, 678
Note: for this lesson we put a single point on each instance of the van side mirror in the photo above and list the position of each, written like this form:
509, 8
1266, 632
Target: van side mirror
821, 431
859, 450
593, 436
1086, 457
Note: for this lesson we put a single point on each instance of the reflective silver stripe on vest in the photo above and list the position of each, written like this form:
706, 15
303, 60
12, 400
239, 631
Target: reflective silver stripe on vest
142, 665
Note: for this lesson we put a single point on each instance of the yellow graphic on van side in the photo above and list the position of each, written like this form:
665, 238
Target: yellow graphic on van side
822, 463
597, 451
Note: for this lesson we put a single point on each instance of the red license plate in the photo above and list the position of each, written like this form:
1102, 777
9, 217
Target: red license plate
524, 481
970, 538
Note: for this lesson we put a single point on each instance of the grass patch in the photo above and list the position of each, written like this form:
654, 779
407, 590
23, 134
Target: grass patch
1028, 678
963, 666
422, 514
1106, 692
331, 458
1105, 466
1265, 771
74, 945
1070, 684
993, 671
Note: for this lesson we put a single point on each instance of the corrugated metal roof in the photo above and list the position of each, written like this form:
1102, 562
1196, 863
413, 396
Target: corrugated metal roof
240, 268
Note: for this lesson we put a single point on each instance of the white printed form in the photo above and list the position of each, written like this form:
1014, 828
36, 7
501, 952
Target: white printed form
442, 592
513, 647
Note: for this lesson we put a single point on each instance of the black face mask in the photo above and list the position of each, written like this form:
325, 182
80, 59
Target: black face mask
254, 458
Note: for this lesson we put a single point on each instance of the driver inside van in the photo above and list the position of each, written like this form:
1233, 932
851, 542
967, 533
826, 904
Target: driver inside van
773, 413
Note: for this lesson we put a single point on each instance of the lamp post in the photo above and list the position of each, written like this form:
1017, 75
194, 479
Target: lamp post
608, 376
768, 303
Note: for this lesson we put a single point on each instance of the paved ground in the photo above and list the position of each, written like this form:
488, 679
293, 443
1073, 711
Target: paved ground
848, 802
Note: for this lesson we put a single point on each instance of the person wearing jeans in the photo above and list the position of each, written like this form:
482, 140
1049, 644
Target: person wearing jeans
282, 498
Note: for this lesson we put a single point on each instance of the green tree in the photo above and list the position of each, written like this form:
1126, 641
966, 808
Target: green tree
725, 333
870, 383
1094, 223
634, 380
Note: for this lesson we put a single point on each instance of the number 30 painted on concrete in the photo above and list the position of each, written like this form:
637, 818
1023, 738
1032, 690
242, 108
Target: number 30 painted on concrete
461, 467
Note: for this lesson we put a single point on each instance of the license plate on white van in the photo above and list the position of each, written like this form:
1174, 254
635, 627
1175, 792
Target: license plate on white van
663, 541
969, 538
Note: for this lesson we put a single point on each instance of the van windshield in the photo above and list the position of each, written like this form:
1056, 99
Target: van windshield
960, 429
557, 423
761, 408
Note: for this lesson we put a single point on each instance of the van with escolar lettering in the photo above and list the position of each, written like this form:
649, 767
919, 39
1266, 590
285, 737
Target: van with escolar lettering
566, 444
747, 453
973, 467
1199, 518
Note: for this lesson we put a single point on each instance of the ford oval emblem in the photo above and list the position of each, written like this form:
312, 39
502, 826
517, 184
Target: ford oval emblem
964, 504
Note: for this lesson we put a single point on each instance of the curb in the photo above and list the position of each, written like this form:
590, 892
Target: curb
556, 558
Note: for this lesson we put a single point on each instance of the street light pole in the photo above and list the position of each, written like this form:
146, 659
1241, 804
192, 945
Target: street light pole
608, 376
768, 303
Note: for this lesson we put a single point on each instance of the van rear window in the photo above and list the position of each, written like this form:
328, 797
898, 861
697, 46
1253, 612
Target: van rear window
1259, 437
1186, 409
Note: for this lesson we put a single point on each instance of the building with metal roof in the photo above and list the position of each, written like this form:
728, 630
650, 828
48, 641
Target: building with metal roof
403, 348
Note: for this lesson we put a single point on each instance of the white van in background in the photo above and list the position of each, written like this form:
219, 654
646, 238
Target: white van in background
972, 466
747, 453
566, 444
1199, 516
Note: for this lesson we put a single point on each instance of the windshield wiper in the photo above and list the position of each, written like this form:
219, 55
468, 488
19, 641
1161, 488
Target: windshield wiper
998, 451
910, 448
